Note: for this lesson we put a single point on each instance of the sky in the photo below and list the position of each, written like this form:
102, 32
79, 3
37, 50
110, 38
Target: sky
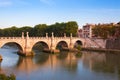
32, 12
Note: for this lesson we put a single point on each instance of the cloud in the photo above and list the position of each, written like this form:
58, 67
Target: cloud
49, 2
22, 2
4, 3
7, 3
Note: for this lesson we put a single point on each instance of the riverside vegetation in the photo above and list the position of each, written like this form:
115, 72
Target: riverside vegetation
5, 77
41, 29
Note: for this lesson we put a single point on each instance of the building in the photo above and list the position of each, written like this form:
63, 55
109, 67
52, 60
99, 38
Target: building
80, 33
87, 30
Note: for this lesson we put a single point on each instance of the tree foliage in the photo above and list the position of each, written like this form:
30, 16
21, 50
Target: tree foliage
106, 30
41, 29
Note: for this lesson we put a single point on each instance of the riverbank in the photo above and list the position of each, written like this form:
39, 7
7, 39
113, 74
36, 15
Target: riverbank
101, 50
0, 58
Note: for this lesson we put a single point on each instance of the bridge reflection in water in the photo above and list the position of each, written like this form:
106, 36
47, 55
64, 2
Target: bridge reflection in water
45, 60
66, 63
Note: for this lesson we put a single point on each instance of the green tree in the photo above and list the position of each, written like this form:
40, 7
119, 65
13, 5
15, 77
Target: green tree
25, 29
71, 27
104, 30
1, 33
40, 30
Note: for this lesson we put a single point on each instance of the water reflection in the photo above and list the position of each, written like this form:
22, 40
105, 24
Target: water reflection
25, 64
41, 58
91, 58
45, 60
62, 55
102, 63
69, 62
45, 66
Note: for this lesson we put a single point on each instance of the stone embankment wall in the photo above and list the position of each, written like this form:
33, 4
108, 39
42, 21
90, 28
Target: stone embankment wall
113, 44
95, 43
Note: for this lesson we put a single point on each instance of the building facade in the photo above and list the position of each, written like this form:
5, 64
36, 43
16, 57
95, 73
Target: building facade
86, 31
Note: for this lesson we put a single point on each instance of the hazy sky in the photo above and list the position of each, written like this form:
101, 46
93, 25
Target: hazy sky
31, 12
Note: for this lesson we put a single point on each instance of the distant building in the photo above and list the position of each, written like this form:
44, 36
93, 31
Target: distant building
87, 30
80, 33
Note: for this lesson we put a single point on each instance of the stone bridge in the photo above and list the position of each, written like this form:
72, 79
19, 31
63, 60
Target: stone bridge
27, 43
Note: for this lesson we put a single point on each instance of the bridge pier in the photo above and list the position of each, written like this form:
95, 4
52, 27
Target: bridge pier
26, 52
27, 49
53, 49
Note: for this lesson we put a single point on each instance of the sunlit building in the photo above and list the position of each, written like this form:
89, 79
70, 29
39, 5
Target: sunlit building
86, 31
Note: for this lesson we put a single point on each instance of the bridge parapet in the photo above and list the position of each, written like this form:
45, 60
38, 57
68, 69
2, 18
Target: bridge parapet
39, 37
73, 38
77, 38
10, 37
62, 37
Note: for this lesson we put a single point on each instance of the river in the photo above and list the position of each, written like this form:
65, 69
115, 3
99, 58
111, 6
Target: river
62, 66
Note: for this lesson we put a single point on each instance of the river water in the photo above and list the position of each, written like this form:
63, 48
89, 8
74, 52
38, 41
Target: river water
62, 66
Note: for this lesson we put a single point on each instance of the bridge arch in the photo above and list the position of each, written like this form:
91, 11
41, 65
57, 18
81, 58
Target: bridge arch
17, 45
77, 43
61, 45
41, 45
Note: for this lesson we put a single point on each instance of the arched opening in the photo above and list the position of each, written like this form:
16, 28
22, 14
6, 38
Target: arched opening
78, 44
12, 46
62, 46
40, 47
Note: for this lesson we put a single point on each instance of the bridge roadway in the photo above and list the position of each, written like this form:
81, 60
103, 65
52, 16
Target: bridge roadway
26, 43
